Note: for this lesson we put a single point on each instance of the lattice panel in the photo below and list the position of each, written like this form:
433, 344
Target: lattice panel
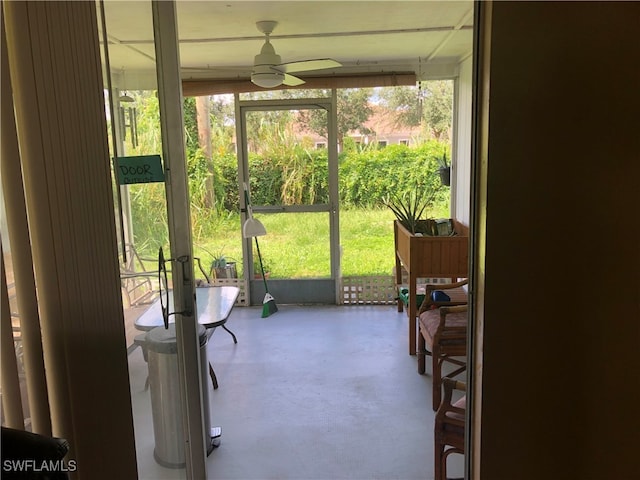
380, 290
374, 290
241, 301
422, 281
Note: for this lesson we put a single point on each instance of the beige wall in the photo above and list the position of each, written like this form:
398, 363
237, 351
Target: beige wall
561, 383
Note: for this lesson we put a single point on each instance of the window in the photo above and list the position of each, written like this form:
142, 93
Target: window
321, 144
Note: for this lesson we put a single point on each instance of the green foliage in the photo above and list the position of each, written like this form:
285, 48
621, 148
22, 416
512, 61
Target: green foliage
366, 179
284, 170
438, 107
443, 160
190, 126
366, 238
353, 110
429, 104
410, 207
405, 102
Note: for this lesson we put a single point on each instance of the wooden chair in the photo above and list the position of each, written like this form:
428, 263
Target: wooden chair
443, 333
449, 427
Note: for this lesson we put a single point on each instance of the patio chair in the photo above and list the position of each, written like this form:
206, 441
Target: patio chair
442, 328
137, 282
449, 427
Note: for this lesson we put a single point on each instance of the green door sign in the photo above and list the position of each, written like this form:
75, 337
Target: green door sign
139, 169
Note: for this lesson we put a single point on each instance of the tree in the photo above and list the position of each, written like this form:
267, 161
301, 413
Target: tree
438, 107
204, 140
353, 110
430, 104
405, 102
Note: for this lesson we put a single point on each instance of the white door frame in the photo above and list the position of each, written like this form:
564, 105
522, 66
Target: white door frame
177, 190
327, 289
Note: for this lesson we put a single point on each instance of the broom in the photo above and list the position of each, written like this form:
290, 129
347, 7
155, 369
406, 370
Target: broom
254, 228
268, 303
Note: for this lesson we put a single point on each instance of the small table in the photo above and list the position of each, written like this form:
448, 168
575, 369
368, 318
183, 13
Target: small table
214, 306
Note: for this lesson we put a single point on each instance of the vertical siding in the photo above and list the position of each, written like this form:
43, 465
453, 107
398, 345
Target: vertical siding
56, 75
462, 170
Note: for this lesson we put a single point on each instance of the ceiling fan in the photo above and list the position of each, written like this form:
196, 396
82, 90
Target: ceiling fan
268, 69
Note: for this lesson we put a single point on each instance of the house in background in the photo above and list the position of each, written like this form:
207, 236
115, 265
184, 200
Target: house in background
381, 129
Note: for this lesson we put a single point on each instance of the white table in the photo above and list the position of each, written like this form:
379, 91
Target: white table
214, 306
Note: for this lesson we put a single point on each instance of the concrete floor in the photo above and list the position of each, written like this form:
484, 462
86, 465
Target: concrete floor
311, 392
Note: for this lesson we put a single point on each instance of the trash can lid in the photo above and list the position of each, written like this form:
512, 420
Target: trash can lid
163, 340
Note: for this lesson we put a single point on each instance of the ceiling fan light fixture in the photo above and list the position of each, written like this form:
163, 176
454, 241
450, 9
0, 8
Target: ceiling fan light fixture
270, 72
267, 79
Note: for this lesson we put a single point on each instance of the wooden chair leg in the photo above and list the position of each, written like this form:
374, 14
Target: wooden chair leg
437, 461
436, 380
422, 349
443, 464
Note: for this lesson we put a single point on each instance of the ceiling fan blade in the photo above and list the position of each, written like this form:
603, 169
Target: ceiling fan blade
292, 81
305, 65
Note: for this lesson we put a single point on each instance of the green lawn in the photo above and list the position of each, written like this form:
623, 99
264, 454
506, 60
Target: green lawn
297, 245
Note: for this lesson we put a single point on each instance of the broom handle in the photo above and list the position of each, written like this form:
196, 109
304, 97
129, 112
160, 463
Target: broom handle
264, 279
247, 203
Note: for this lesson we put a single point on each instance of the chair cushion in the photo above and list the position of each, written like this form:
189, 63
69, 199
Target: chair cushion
430, 319
440, 296
455, 429
462, 403
457, 295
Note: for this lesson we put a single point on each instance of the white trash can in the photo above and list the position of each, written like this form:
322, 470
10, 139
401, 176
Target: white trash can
166, 401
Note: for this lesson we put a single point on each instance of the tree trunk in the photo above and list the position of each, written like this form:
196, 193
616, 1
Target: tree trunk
204, 140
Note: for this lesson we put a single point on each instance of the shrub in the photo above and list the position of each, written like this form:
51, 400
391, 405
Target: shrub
366, 178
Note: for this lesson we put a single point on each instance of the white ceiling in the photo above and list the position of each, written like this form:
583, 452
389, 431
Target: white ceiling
218, 39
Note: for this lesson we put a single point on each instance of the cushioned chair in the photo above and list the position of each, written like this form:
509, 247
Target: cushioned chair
19, 446
443, 332
449, 427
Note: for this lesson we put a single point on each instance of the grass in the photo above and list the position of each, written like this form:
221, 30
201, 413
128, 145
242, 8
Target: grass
297, 244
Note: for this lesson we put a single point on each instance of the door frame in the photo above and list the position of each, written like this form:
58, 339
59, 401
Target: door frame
297, 291
165, 31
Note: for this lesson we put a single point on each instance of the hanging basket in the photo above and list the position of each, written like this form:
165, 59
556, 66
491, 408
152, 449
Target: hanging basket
445, 176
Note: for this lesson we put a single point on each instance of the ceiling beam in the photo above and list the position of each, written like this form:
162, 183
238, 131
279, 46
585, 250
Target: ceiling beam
257, 38
196, 88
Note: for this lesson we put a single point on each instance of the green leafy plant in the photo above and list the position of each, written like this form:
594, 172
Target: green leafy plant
444, 171
219, 262
443, 161
410, 207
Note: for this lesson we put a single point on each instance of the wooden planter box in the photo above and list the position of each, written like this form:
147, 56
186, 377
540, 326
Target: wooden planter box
428, 257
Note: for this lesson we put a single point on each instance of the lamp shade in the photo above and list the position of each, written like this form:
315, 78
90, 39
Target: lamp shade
253, 228
267, 79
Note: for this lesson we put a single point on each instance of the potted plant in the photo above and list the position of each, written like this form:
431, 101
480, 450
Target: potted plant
221, 267
409, 209
421, 250
444, 169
